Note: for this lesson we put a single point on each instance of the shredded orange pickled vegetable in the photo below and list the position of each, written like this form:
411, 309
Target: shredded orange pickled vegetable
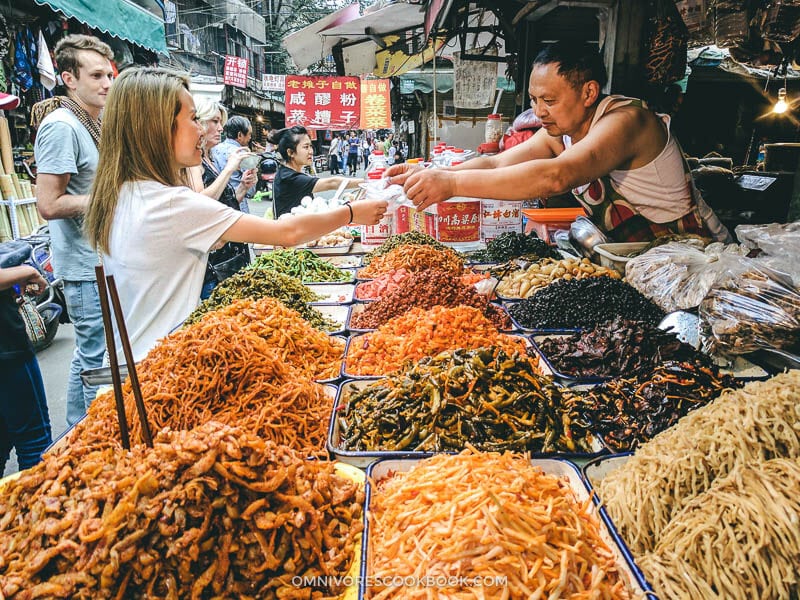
504, 527
414, 258
419, 333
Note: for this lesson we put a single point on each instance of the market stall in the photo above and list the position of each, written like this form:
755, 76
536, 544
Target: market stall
468, 386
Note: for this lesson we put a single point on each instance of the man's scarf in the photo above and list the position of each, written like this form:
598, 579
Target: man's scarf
41, 109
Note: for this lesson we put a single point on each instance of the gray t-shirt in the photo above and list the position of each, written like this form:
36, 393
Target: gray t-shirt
63, 145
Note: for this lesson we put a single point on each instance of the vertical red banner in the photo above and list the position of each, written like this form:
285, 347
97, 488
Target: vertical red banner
323, 102
376, 110
235, 72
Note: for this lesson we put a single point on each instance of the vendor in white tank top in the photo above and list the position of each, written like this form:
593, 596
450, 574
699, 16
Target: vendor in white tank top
614, 154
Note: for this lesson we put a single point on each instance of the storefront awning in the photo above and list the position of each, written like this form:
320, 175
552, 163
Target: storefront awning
119, 18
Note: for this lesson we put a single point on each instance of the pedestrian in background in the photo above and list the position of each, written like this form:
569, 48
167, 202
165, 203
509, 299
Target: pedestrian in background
238, 132
333, 155
66, 152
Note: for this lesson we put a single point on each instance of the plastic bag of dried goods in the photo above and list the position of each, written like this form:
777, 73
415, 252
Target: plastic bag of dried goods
678, 275
755, 308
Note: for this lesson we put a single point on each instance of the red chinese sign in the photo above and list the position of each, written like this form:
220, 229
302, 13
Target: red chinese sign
235, 72
376, 111
455, 221
323, 102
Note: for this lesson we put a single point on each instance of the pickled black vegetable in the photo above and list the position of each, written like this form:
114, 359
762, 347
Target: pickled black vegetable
584, 303
618, 347
513, 244
481, 397
628, 412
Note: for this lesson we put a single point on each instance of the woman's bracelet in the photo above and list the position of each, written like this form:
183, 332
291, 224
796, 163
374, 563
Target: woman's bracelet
350, 208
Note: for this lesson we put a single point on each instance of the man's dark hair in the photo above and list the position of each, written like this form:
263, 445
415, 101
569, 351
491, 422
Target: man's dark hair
577, 62
236, 125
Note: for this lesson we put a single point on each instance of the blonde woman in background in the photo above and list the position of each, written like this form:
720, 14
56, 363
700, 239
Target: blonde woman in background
154, 232
208, 180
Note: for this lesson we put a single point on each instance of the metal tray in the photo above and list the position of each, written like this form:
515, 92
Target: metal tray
354, 339
594, 472
334, 293
328, 250
362, 458
347, 261
337, 313
102, 375
564, 469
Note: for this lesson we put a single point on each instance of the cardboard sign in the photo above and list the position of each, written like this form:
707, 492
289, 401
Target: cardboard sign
235, 72
323, 102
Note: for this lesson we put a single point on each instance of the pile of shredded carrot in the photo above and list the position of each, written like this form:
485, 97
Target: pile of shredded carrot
501, 525
414, 258
298, 343
419, 333
217, 370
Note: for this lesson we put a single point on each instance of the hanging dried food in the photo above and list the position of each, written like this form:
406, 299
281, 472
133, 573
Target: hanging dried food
584, 303
211, 512
412, 238
628, 412
513, 244
480, 397
618, 347
303, 264
257, 284
427, 289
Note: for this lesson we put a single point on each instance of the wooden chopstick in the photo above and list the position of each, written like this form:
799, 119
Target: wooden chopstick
126, 348
112, 356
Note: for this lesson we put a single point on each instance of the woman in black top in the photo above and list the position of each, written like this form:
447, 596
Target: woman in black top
24, 418
291, 184
206, 179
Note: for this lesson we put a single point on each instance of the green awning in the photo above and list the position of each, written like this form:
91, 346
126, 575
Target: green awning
119, 18
423, 82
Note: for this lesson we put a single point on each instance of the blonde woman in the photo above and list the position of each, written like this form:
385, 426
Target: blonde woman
208, 180
153, 231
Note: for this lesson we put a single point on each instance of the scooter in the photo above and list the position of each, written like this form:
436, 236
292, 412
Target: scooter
266, 172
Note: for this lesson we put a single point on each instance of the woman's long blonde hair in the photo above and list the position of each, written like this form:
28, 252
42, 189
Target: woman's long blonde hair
136, 142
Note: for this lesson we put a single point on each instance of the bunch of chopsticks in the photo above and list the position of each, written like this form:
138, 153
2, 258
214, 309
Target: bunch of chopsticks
107, 287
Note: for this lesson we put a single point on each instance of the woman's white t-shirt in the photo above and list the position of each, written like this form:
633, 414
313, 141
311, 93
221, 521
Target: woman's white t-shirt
159, 245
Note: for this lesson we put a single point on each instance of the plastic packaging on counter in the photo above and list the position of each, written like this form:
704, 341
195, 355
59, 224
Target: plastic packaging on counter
678, 275
779, 244
376, 188
754, 309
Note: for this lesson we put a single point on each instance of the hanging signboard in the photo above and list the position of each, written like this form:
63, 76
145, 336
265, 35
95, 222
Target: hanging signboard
235, 72
376, 110
323, 102
273, 83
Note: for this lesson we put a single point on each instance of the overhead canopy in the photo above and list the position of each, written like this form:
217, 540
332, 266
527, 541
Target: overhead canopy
119, 18
307, 46
389, 19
